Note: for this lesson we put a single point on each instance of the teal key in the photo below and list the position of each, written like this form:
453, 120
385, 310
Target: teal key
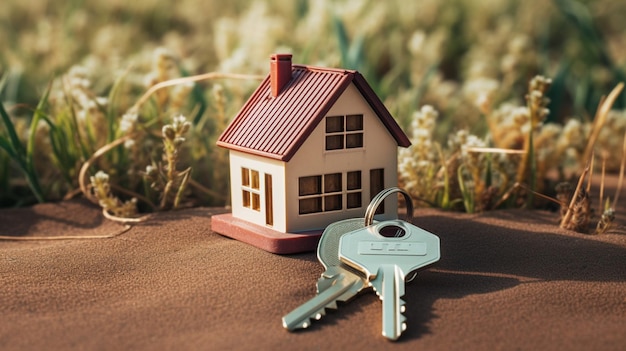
387, 252
337, 283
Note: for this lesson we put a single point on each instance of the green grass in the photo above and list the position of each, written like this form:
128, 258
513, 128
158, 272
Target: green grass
23, 155
413, 54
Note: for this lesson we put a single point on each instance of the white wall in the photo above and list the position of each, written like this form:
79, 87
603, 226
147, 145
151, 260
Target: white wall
263, 165
379, 151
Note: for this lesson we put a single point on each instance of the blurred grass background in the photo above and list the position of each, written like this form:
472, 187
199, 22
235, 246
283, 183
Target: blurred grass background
85, 63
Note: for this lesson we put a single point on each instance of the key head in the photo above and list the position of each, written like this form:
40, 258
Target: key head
328, 246
328, 250
393, 242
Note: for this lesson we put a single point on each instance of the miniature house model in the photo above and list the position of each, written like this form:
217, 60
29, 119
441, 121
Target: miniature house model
310, 147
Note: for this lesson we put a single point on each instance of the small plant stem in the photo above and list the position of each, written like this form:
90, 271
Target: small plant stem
66, 237
170, 152
591, 166
495, 150
519, 185
600, 119
119, 189
196, 78
82, 175
528, 158
166, 193
568, 214
601, 201
533, 172
468, 196
181, 188
445, 199
521, 169
124, 220
113, 96
620, 181
206, 190
73, 122
30, 147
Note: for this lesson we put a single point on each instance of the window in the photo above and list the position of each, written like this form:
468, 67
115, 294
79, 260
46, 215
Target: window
269, 201
321, 193
250, 189
344, 132
354, 190
377, 184
332, 192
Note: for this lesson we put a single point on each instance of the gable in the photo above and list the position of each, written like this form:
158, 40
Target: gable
276, 127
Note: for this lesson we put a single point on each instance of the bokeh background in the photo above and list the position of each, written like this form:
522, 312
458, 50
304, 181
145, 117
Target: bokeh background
87, 62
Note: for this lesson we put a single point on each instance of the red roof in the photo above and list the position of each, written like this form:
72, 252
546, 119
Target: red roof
276, 127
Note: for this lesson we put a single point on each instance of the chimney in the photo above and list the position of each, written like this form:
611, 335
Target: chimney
280, 72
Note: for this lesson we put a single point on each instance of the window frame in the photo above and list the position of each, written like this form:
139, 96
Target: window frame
354, 192
251, 189
326, 192
344, 132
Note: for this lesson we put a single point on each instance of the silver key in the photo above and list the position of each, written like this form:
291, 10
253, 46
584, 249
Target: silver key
337, 283
387, 252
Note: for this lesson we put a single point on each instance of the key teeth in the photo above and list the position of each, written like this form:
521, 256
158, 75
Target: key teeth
345, 290
318, 315
376, 290
402, 316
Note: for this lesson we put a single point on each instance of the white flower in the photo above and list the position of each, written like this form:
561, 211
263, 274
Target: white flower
102, 100
481, 91
180, 124
81, 115
128, 122
129, 143
416, 43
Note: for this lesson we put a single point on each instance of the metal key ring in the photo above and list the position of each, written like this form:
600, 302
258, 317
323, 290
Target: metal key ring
380, 197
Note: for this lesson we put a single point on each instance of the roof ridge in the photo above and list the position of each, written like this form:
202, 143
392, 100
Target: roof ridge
324, 69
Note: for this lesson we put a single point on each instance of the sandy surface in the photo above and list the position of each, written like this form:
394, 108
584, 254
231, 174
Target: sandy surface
507, 280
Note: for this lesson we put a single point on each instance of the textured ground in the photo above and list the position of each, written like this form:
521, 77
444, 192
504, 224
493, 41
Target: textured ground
507, 280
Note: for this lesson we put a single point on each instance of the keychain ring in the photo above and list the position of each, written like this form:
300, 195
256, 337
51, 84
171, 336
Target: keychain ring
380, 197
377, 200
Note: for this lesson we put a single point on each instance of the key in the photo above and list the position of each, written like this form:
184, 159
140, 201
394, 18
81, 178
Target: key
328, 252
338, 282
387, 252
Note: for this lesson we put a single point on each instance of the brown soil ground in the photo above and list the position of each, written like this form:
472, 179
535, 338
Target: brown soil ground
507, 280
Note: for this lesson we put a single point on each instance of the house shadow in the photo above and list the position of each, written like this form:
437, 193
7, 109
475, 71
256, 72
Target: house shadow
50, 217
160, 218
78, 215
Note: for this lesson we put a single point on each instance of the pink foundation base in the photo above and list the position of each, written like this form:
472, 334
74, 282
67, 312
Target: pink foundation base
263, 237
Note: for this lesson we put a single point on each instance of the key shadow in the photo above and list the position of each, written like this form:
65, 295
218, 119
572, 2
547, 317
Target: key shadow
527, 244
430, 286
420, 296
489, 252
